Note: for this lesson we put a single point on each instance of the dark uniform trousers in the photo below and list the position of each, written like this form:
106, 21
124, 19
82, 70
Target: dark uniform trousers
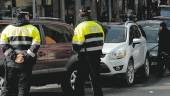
89, 63
18, 79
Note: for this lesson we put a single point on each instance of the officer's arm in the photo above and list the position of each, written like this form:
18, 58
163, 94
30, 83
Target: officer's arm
35, 43
6, 47
78, 39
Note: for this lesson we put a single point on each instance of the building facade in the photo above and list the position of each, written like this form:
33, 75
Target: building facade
67, 10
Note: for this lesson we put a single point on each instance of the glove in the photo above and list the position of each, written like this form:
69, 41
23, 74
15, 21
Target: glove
12, 55
19, 58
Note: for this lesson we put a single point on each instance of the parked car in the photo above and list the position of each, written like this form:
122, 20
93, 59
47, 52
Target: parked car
151, 28
125, 52
56, 60
165, 19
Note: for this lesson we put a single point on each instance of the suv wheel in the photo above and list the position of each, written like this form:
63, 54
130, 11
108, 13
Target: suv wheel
146, 69
130, 74
68, 84
73, 77
2, 85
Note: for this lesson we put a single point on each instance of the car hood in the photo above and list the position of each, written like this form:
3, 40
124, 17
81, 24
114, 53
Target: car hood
152, 46
108, 47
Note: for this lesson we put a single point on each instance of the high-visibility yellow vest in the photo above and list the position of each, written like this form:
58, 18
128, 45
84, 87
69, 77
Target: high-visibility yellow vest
89, 35
18, 38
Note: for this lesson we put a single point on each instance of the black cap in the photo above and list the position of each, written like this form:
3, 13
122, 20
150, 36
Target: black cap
21, 15
85, 11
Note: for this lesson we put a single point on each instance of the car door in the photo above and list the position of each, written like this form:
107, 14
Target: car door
59, 50
142, 46
41, 62
137, 48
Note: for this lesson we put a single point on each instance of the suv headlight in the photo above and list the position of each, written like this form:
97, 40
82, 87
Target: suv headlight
119, 54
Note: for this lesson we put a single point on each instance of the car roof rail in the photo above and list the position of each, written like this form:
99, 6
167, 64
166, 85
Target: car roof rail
127, 22
50, 18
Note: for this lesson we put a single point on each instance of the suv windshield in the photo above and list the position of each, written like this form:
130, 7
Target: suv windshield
152, 34
115, 34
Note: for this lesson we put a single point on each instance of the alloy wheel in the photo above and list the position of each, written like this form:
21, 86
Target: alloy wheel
1, 84
130, 75
73, 79
147, 68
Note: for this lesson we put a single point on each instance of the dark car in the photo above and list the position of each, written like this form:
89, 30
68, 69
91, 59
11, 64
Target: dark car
56, 59
151, 28
165, 19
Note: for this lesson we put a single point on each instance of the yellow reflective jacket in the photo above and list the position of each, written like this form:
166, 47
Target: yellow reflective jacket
19, 38
88, 36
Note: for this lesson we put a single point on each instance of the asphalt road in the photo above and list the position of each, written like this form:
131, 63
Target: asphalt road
153, 87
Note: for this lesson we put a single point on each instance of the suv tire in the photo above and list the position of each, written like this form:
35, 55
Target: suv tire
145, 70
130, 74
68, 85
2, 85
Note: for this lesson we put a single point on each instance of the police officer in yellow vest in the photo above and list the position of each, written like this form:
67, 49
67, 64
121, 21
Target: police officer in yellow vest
20, 43
88, 42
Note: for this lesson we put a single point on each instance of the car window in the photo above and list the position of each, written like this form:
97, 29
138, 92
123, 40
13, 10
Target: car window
134, 33
142, 31
115, 34
54, 34
152, 34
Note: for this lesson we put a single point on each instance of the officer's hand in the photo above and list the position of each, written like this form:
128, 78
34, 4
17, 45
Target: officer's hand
19, 58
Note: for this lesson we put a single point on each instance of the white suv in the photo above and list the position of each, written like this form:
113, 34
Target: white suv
125, 51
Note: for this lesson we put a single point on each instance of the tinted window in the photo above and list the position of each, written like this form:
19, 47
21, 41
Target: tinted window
54, 34
152, 34
142, 31
135, 32
115, 34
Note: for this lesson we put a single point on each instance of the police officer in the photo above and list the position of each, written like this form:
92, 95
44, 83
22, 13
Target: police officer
20, 43
163, 49
88, 42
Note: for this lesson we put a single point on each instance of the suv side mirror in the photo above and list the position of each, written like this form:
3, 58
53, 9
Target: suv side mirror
136, 41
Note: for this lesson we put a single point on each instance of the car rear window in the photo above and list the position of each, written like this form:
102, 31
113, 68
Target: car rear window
54, 34
152, 34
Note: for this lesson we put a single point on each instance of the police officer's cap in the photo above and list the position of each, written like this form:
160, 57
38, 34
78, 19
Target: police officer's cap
85, 11
22, 14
